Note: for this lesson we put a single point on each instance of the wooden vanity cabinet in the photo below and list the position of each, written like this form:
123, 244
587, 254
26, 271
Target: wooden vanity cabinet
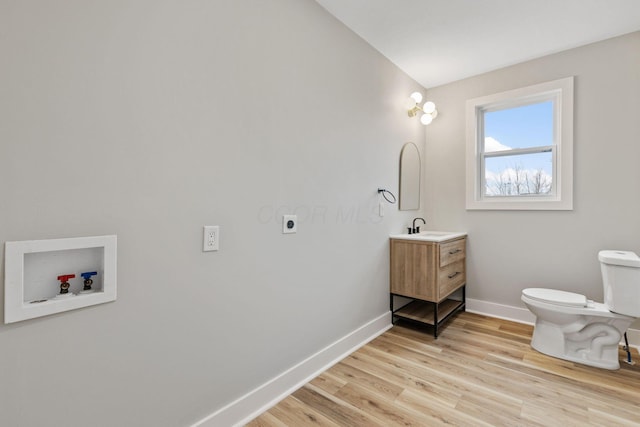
428, 273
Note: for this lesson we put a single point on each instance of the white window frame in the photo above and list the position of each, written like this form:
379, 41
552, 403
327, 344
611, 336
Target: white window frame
561, 195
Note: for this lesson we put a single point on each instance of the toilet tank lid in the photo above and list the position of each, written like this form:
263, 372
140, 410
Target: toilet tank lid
557, 297
624, 258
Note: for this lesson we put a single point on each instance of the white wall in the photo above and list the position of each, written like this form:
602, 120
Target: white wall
511, 250
150, 119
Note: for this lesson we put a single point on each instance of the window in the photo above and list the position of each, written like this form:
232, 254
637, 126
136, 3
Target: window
520, 148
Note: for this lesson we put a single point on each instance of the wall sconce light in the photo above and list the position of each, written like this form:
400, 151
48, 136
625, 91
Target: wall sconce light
428, 109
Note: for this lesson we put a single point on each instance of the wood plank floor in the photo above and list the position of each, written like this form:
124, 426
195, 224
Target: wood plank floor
480, 371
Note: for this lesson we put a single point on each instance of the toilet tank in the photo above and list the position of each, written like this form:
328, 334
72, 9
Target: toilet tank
621, 281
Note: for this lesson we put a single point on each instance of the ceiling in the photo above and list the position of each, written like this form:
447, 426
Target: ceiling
440, 41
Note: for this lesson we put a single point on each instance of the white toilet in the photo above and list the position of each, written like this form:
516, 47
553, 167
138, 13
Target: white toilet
570, 327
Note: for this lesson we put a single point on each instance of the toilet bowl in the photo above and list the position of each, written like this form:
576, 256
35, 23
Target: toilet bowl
571, 327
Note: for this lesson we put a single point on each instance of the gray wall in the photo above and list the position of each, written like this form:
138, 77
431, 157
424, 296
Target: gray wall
511, 250
150, 119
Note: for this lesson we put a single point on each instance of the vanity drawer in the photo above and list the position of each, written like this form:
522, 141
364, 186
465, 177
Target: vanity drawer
451, 278
451, 252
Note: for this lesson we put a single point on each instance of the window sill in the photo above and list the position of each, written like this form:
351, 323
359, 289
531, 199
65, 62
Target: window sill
517, 204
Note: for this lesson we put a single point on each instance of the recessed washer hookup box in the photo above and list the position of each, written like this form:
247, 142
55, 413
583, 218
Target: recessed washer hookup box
44, 277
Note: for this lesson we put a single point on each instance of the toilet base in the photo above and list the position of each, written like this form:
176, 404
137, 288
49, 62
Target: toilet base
603, 364
593, 344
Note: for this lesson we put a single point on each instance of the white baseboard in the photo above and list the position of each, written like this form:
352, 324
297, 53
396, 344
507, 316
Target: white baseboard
501, 311
252, 404
523, 315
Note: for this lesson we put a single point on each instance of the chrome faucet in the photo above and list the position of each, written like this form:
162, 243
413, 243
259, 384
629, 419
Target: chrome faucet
415, 229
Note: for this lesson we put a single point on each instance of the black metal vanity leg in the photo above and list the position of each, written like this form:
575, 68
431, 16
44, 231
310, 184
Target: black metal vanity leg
435, 320
464, 297
391, 308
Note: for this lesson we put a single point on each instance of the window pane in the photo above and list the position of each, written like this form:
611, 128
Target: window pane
520, 127
519, 175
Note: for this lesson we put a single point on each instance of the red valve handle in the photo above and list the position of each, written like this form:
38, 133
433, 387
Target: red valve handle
66, 277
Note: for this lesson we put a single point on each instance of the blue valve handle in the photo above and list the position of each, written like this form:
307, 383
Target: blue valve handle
88, 274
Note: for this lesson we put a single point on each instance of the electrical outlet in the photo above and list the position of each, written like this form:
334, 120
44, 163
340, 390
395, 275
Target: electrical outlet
211, 238
289, 224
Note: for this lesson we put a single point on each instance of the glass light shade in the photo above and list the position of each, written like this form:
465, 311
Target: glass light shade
417, 96
429, 107
426, 119
410, 103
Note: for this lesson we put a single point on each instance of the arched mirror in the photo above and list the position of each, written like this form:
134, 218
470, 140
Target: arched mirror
409, 177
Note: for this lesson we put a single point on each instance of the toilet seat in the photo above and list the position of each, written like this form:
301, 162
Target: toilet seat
556, 297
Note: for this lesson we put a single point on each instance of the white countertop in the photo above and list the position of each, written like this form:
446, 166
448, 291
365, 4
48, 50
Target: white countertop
430, 236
